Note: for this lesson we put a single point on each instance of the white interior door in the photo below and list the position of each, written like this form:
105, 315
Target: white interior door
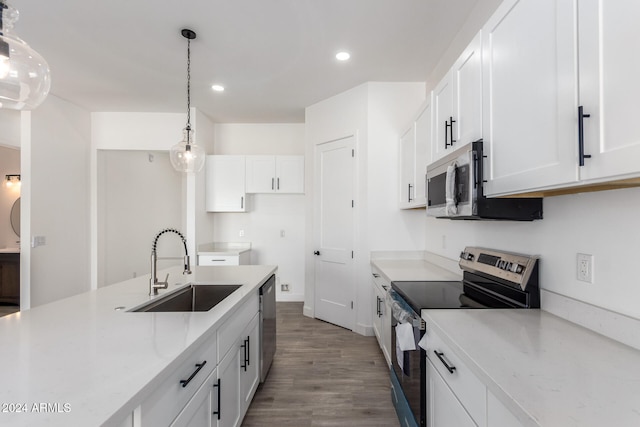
334, 232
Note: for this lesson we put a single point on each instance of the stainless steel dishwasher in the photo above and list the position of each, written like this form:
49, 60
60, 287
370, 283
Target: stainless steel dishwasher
267, 326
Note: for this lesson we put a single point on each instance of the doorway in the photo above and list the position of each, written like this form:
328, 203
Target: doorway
9, 230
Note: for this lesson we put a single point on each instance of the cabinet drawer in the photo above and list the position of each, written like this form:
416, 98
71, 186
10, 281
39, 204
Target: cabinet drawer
170, 397
231, 329
380, 280
218, 260
463, 382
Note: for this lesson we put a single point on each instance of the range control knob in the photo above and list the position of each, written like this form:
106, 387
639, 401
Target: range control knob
466, 256
517, 268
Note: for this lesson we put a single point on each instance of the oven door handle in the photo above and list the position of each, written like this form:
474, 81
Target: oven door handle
451, 369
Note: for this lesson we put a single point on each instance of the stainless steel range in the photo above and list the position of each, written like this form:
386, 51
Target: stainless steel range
491, 279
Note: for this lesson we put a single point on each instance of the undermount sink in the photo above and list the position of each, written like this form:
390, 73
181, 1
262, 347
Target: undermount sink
191, 298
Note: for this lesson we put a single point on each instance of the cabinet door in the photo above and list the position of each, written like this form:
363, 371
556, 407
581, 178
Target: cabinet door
377, 315
608, 79
225, 178
467, 92
530, 87
229, 389
443, 409
442, 115
424, 137
250, 362
10, 278
261, 174
199, 412
498, 415
289, 174
407, 167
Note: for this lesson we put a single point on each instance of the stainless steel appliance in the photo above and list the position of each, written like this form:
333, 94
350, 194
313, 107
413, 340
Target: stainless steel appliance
491, 279
267, 326
455, 190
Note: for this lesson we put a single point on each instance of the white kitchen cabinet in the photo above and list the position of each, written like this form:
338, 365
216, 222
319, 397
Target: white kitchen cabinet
229, 389
382, 314
530, 89
498, 415
457, 103
225, 184
443, 408
250, 369
608, 77
172, 395
202, 409
460, 383
415, 154
239, 259
275, 174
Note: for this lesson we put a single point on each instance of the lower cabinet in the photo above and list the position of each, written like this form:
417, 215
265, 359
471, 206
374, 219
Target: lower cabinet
381, 314
455, 395
443, 407
203, 408
10, 278
215, 383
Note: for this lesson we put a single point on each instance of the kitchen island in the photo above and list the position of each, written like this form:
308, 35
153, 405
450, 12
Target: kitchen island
87, 361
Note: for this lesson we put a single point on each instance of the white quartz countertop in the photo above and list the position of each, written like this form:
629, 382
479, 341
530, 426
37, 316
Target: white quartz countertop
413, 269
91, 362
222, 248
549, 372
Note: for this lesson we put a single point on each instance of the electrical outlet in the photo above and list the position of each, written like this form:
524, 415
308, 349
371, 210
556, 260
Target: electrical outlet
284, 287
584, 266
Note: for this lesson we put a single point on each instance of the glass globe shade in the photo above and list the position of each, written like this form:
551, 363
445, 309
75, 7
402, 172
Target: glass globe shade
187, 156
24, 75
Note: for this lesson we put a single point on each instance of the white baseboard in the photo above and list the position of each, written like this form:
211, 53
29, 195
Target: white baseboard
287, 297
308, 311
365, 330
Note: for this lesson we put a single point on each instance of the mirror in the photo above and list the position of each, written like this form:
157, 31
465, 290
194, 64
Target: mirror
15, 217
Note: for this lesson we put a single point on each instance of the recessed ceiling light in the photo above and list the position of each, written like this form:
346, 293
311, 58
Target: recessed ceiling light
343, 56
218, 88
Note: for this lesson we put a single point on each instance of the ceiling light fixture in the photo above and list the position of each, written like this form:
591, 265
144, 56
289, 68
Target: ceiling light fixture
218, 88
24, 75
343, 56
186, 156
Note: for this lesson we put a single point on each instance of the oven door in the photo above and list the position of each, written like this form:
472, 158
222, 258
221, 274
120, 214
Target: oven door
451, 189
409, 368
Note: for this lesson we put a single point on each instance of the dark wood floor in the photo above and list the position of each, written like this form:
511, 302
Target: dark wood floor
322, 375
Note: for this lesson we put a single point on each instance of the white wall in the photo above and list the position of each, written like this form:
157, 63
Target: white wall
604, 224
138, 196
10, 128
55, 165
9, 165
269, 214
376, 113
134, 134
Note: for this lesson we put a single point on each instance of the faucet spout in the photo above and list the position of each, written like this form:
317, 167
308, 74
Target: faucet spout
154, 284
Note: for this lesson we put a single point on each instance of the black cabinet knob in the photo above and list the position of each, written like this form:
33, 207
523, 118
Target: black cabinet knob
316, 252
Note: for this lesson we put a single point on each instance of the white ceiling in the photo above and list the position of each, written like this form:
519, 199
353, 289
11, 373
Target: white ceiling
275, 57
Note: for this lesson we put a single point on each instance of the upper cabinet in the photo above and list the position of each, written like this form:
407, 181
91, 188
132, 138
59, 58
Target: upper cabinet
530, 88
608, 77
457, 102
275, 174
225, 176
415, 146
558, 114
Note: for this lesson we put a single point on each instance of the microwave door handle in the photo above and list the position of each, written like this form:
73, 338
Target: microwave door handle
450, 190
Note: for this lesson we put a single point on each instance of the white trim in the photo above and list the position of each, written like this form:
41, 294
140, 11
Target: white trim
288, 297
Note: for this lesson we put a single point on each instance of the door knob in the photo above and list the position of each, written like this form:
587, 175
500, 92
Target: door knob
316, 252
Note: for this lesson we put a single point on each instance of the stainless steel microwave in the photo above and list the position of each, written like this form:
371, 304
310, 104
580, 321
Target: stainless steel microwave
455, 190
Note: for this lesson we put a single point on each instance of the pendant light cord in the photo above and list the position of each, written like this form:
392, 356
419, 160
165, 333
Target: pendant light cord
188, 89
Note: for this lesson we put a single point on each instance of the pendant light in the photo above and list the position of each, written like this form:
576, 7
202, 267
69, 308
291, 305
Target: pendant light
24, 74
187, 156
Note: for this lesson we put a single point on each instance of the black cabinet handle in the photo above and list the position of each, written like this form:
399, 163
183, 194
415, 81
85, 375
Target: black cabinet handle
446, 365
278, 184
219, 411
581, 117
316, 252
377, 305
376, 275
448, 128
199, 366
409, 193
244, 357
272, 185
241, 202
248, 351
